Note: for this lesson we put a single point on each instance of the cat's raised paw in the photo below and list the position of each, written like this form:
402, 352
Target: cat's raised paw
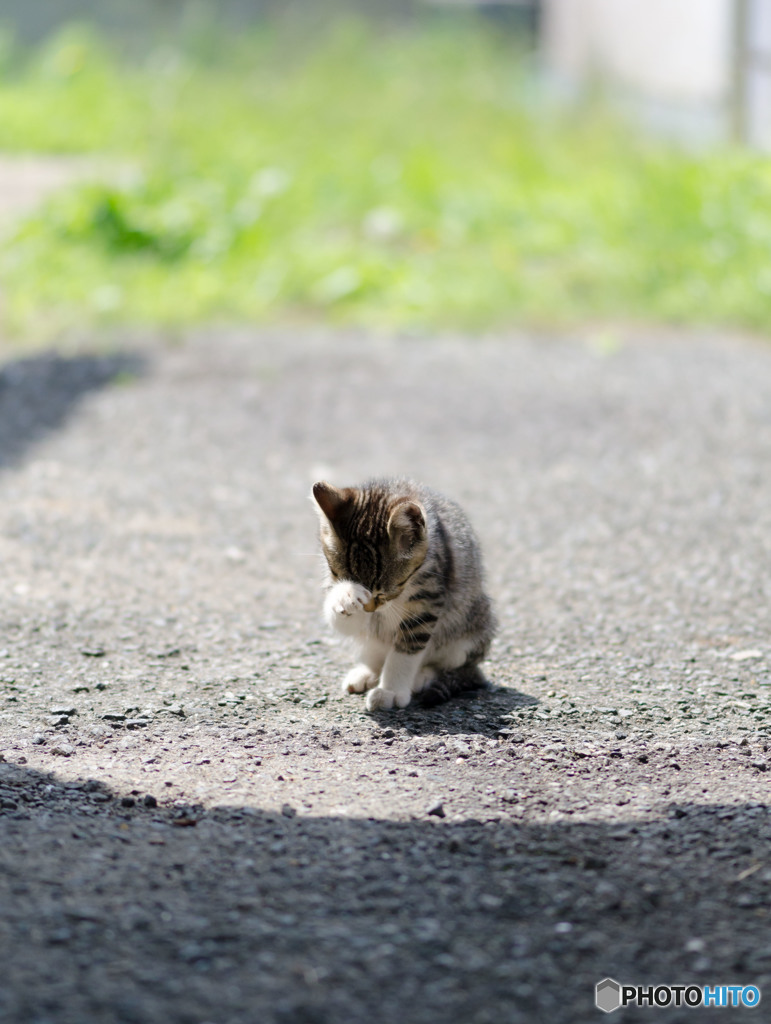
359, 679
348, 598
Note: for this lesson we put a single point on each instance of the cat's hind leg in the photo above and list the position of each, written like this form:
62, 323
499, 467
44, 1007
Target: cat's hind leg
451, 656
455, 670
424, 678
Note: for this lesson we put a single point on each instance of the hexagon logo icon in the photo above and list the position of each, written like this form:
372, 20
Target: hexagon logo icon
607, 995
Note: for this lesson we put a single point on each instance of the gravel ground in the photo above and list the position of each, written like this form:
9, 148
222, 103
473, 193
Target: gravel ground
196, 827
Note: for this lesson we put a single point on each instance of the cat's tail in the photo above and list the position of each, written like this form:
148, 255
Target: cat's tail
449, 683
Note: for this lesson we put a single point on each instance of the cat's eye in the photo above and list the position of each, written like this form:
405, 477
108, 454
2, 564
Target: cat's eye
406, 579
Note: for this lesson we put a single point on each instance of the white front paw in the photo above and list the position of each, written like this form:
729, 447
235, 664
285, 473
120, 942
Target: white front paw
383, 700
359, 679
348, 598
380, 700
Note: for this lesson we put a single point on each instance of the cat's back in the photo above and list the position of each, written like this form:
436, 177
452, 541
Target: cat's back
452, 539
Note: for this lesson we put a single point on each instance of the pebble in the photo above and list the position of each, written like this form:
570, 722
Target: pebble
150, 801
288, 811
436, 809
695, 946
62, 749
751, 655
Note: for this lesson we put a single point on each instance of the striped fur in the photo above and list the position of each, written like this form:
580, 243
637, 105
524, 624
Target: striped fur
404, 579
450, 683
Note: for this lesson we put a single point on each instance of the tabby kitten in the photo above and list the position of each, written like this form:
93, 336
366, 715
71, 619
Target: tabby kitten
404, 579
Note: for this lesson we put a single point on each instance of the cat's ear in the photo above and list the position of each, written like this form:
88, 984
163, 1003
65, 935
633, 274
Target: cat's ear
407, 527
334, 502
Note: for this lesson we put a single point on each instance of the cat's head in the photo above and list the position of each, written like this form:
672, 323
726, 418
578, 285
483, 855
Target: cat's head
372, 535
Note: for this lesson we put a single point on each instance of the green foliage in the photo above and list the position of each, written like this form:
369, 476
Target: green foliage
388, 178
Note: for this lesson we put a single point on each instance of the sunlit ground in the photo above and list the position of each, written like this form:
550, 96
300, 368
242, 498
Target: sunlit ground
404, 179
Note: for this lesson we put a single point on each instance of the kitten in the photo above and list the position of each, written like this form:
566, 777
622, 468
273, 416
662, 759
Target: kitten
404, 579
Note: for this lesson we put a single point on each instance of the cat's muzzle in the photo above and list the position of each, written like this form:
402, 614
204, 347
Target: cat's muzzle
377, 600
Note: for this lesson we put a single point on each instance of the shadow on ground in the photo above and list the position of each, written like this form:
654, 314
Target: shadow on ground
116, 911
478, 711
37, 394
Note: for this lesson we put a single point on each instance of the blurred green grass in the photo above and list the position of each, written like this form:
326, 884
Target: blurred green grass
399, 179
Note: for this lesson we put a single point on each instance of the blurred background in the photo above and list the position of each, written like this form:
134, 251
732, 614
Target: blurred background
408, 165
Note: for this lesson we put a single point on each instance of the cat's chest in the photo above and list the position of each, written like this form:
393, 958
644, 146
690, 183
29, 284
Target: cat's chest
386, 622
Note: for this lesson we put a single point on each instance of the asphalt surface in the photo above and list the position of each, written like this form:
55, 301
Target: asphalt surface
196, 827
